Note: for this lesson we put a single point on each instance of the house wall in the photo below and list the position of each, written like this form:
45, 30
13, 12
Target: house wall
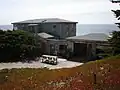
53, 46
70, 46
51, 28
88, 48
68, 30
61, 30
20, 27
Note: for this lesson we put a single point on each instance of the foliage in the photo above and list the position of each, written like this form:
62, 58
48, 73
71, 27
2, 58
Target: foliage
15, 45
103, 52
115, 39
77, 78
115, 42
117, 13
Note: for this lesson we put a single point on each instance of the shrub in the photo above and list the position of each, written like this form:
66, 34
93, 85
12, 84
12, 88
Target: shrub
17, 45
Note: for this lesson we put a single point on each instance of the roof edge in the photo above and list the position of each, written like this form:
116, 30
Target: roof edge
44, 22
47, 19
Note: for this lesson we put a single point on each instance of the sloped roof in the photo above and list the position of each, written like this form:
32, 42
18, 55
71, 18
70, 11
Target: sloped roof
46, 20
91, 37
45, 35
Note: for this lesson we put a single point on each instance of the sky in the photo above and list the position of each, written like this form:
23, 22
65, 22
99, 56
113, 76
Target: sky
82, 11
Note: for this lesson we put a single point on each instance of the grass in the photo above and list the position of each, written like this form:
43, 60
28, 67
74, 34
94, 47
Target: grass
107, 73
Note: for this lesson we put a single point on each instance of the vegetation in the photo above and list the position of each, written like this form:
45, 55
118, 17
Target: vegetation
115, 39
107, 73
17, 45
115, 42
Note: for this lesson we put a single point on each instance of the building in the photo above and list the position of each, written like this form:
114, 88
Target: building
59, 28
85, 46
52, 32
58, 37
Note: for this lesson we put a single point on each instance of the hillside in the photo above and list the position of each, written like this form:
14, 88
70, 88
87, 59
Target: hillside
79, 78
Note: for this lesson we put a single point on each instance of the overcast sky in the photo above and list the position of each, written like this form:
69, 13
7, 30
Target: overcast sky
82, 11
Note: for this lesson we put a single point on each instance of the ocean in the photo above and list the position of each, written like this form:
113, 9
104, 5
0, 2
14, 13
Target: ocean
83, 29
6, 27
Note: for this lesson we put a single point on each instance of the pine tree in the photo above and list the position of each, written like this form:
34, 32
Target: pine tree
115, 39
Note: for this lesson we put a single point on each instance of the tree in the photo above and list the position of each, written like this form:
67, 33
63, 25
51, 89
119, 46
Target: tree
115, 42
16, 45
115, 1
115, 39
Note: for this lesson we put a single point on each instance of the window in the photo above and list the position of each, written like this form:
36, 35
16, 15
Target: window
31, 29
22, 25
67, 26
62, 47
72, 26
15, 28
15, 25
54, 26
67, 33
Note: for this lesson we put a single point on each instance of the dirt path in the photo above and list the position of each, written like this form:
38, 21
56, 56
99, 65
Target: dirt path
62, 63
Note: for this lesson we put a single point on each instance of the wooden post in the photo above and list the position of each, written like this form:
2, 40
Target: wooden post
87, 54
93, 50
94, 78
88, 51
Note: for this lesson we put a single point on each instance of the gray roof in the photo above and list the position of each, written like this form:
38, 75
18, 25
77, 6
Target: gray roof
91, 37
45, 35
46, 20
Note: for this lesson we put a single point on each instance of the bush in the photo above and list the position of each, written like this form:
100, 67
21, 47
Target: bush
17, 45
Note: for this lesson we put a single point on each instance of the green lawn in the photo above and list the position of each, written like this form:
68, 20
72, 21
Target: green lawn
107, 77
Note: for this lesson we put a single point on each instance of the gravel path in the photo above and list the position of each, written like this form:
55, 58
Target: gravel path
62, 63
